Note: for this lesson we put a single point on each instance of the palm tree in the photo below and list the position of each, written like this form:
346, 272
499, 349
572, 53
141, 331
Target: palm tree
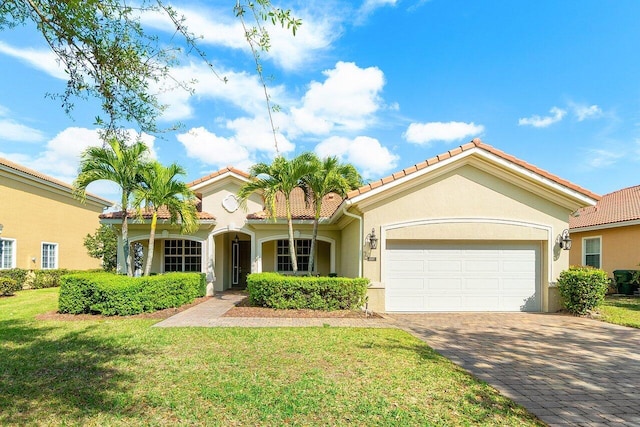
161, 189
281, 177
327, 176
117, 162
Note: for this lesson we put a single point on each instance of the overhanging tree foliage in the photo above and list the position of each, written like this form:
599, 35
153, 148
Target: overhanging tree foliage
103, 244
107, 53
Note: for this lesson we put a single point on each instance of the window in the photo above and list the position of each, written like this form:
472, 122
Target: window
182, 255
7, 253
303, 250
49, 256
592, 252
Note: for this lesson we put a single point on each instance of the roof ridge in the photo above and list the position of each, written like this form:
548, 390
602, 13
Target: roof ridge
474, 143
42, 176
217, 173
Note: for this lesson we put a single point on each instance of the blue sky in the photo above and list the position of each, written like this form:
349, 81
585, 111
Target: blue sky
383, 84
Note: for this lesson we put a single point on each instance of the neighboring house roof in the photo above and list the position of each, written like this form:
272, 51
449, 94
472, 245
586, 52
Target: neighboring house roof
47, 180
300, 209
612, 209
474, 144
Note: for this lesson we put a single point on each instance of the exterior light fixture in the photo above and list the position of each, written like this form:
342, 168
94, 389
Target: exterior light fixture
564, 240
372, 240
236, 240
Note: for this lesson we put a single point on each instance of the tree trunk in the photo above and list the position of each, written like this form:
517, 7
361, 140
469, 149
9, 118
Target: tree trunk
314, 236
292, 246
125, 236
152, 238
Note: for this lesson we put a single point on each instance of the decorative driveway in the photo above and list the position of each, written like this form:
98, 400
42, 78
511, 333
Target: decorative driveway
564, 369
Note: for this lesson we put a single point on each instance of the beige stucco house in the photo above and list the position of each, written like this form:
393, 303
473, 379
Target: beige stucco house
473, 229
606, 235
43, 225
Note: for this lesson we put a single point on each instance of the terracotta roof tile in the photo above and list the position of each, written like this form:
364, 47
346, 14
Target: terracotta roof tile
299, 207
11, 165
477, 143
619, 206
218, 173
163, 213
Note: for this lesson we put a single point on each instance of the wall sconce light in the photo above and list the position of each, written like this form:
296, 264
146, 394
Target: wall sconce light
564, 240
33, 259
371, 240
236, 240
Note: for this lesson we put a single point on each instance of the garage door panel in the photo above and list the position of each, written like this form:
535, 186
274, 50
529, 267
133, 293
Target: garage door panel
466, 277
444, 265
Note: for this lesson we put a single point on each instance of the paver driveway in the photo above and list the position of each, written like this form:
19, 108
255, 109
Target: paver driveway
564, 369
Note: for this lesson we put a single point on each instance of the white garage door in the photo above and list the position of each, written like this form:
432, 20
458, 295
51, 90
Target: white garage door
468, 277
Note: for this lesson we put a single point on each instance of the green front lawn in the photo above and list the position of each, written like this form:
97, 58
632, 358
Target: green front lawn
123, 372
621, 311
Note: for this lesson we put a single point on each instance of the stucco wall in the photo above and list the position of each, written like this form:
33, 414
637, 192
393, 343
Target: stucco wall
468, 204
33, 213
619, 250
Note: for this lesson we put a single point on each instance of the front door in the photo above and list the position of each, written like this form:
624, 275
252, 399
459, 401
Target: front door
240, 263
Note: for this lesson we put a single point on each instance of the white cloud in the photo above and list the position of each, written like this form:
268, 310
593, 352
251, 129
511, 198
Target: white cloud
13, 131
365, 153
346, 100
584, 112
424, 133
557, 114
212, 149
221, 28
370, 6
41, 59
61, 156
599, 158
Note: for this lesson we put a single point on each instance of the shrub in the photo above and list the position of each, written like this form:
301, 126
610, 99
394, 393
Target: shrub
19, 275
582, 288
8, 286
298, 292
111, 294
48, 278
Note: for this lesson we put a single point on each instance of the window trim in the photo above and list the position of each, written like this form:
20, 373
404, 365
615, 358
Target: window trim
584, 249
14, 251
55, 257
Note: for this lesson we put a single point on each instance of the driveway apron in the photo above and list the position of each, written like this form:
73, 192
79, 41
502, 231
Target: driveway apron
566, 370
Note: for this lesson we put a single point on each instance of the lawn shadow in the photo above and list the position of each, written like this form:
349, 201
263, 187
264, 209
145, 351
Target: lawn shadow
47, 376
626, 303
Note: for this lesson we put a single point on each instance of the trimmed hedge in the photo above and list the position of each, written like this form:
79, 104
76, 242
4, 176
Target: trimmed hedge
116, 295
19, 275
48, 278
8, 286
297, 292
582, 288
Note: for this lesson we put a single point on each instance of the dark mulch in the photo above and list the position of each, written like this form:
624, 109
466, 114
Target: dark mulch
243, 309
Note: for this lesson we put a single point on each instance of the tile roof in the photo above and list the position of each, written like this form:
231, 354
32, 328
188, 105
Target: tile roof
218, 173
619, 206
299, 208
163, 213
48, 179
476, 143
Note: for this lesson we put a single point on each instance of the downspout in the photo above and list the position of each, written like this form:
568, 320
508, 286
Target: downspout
360, 232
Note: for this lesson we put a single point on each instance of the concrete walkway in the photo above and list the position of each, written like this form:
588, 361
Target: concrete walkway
210, 312
568, 371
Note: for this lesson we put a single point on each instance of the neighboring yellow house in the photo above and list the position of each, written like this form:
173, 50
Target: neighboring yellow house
42, 225
607, 235
473, 229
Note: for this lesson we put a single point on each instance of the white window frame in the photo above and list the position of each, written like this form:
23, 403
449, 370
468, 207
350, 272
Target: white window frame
276, 263
55, 257
584, 249
182, 255
14, 251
